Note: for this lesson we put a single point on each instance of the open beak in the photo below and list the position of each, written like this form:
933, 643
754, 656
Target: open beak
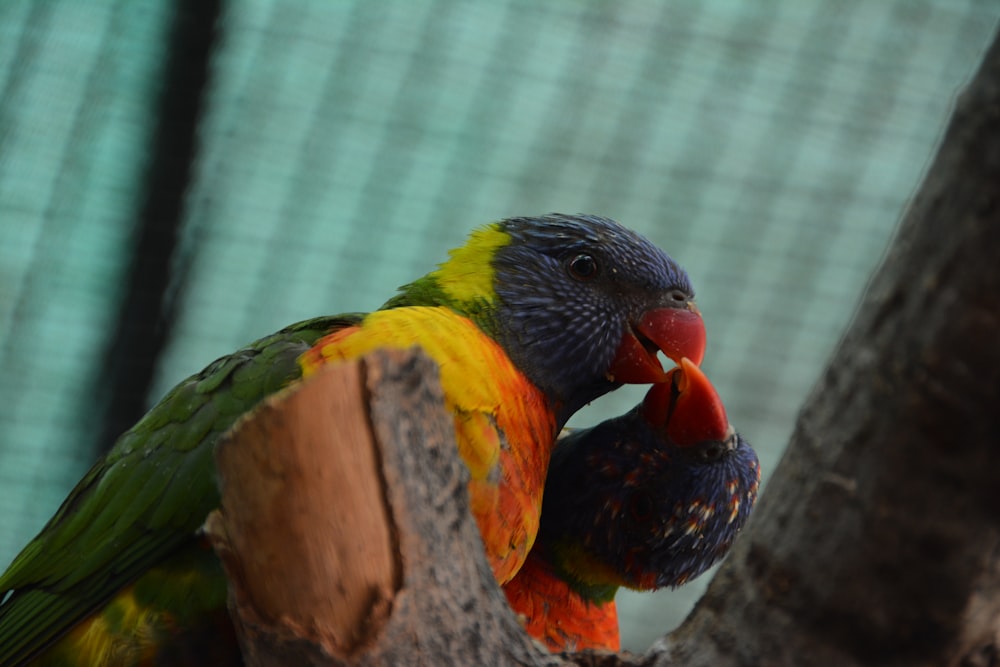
688, 406
677, 332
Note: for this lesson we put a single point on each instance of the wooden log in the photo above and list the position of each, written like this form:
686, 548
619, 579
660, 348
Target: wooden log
345, 529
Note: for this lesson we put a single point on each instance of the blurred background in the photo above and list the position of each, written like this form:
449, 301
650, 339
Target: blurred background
178, 178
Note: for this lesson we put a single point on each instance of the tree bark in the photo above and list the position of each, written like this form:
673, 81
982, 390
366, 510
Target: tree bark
345, 528
876, 542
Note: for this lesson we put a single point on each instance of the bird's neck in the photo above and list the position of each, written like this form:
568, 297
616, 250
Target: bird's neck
480, 307
465, 282
587, 576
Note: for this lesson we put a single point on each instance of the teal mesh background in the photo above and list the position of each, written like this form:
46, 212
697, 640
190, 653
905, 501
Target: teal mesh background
342, 147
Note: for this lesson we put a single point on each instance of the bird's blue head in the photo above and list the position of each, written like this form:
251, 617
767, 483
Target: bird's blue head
650, 499
583, 305
579, 303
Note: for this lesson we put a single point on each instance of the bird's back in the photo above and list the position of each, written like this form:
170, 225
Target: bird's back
144, 501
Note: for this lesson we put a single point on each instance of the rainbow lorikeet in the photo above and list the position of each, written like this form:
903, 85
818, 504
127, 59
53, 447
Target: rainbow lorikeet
646, 500
528, 321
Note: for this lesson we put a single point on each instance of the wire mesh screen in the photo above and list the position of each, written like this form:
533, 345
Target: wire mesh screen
336, 150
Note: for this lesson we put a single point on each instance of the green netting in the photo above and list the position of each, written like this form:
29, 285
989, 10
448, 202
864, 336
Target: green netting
769, 146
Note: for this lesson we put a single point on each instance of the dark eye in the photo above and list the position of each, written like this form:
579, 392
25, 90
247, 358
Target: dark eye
582, 267
640, 506
712, 452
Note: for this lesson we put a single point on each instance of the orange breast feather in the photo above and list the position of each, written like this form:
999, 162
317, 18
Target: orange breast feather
558, 616
504, 425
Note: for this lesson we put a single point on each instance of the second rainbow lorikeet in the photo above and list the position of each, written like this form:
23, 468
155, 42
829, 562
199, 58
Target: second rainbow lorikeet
528, 321
647, 500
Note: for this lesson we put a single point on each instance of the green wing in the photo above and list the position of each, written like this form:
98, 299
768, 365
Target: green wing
145, 498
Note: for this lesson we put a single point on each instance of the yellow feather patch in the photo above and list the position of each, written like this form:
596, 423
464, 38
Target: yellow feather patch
120, 634
480, 429
587, 569
464, 354
468, 274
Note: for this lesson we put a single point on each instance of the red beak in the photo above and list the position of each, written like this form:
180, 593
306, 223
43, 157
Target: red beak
677, 332
689, 407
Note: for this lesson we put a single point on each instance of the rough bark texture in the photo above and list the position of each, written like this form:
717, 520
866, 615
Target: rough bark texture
292, 523
877, 541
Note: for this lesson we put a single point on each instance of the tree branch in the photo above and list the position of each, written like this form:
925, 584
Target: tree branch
877, 541
345, 529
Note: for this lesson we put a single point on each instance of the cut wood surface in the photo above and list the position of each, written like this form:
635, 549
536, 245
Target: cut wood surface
345, 529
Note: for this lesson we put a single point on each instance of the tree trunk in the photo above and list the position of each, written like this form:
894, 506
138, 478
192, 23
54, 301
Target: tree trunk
876, 542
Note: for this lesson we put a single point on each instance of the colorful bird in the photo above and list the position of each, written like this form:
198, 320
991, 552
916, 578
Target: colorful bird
647, 500
529, 320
